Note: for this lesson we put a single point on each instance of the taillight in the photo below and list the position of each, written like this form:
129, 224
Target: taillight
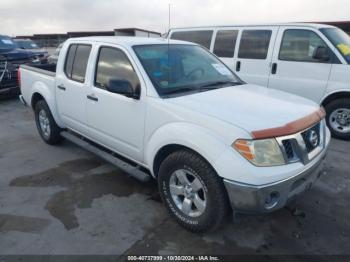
19, 78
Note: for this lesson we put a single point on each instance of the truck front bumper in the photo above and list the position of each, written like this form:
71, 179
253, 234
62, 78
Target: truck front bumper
267, 198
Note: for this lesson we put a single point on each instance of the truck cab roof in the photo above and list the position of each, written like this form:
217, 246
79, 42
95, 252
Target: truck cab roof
310, 25
128, 41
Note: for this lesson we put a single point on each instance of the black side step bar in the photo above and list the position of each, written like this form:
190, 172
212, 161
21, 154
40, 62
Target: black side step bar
133, 171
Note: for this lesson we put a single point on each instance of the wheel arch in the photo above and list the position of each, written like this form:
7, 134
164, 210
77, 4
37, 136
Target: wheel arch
172, 137
36, 97
334, 96
167, 150
41, 92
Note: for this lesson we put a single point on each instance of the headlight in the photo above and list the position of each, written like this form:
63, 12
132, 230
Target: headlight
264, 152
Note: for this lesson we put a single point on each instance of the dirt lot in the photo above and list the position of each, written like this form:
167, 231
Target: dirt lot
63, 200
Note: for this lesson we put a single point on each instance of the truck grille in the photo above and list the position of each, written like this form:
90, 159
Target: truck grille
287, 144
8, 75
303, 146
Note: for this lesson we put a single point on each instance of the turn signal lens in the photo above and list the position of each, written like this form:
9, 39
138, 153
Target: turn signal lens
242, 147
265, 152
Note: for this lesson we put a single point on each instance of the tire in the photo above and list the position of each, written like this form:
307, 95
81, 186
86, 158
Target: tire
335, 108
50, 132
207, 217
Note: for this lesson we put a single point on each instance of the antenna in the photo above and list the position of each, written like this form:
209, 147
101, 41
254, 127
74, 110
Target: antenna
168, 36
169, 18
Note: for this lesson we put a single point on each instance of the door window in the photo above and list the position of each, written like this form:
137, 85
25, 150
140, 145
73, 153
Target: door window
300, 45
225, 43
69, 60
254, 44
202, 37
114, 66
76, 62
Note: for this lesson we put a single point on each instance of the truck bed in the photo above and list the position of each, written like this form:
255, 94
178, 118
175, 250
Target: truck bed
38, 78
47, 69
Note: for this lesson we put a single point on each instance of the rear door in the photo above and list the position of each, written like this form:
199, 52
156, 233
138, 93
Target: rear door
294, 68
255, 54
116, 121
71, 87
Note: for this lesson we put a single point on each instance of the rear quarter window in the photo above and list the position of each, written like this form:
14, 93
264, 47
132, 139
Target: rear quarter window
69, 60
254, 44
76, 62
201, 37
225, 43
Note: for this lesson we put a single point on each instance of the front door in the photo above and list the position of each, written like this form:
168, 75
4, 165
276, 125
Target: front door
115, 120
295, 68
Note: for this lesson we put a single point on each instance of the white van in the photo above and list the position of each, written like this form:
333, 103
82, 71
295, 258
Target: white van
310, 60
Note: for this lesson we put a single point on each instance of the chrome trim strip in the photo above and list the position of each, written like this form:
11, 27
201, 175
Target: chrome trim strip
299, 146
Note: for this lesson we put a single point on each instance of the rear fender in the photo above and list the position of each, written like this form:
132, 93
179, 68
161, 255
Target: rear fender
41, 89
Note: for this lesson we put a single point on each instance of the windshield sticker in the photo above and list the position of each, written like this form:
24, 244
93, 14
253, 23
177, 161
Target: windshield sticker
344, 49
222, 69
164, 83
7, 42
33, 45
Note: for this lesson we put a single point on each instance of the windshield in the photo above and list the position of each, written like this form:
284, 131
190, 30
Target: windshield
7, 43
183, 68
26, 44
340, 40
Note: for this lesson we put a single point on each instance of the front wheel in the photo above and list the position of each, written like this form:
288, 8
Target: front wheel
193, 193
46, 125
338, 118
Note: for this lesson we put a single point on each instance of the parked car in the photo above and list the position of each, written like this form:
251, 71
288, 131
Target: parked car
30, 45
10, 59
52, 59
310, 60
175, 112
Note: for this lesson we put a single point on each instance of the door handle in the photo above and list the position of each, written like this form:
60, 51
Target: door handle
238, 66
92, 97
274, 68
62, 87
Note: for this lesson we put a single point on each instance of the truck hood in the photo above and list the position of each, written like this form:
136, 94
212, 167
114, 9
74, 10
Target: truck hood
16, 54
38, 52
248, 106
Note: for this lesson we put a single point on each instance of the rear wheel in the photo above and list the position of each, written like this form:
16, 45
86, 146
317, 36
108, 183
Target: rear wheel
338, 118
193, 193
46, 125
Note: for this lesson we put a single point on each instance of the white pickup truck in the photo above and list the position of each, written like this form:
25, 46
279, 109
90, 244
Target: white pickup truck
171, 110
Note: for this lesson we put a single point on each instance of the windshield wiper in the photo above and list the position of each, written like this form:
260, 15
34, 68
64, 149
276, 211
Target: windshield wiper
217, 84
181, 90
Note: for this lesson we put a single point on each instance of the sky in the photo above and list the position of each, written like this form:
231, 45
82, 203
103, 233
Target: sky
26, 17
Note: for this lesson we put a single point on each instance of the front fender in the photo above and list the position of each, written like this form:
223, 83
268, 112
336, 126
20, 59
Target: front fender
201, 140
48, 95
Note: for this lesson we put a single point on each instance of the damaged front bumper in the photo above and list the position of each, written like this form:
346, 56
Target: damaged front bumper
267, 198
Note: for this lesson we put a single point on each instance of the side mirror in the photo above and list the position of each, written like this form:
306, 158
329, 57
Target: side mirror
123, 87
321, 53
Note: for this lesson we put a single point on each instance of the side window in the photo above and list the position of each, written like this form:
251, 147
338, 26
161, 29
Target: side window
300, 45
69, 60
202, 37
114, 67
80, 62
254, 44
76, 62
225, 43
